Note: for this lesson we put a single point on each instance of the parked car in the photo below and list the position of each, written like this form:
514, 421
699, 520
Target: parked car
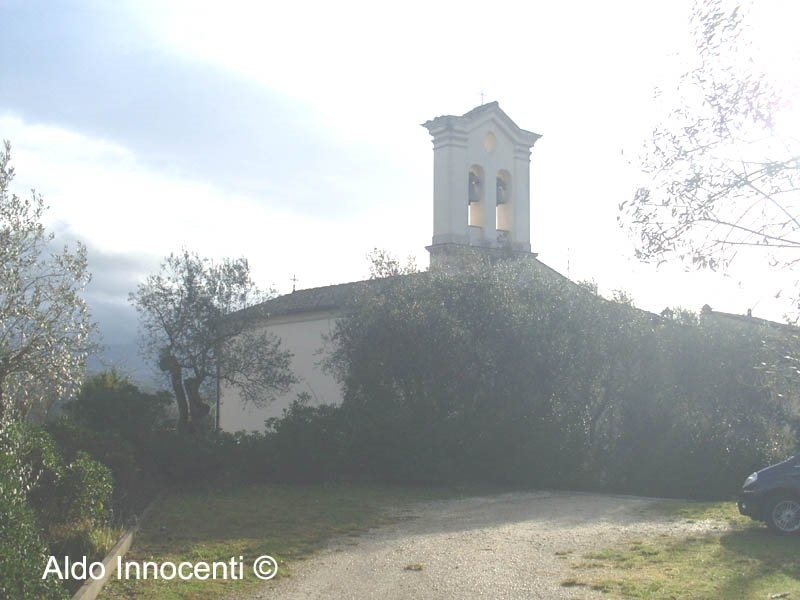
773, 495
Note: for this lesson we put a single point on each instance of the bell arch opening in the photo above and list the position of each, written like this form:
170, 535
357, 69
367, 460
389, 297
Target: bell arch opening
476, 196
503, 200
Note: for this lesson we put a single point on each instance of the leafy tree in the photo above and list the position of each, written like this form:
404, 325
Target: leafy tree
724, 168
505, 373
108, 402
188, 312
383, 264
452, 373
44, 321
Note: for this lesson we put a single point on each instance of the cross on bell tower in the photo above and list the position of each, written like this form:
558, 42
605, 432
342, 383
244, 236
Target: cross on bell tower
481, 184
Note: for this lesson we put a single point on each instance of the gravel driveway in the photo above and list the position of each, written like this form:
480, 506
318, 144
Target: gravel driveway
495, 547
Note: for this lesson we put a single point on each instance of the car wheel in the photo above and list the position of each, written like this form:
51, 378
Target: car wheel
783, 515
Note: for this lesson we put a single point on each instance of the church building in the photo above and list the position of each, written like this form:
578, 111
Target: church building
481, 207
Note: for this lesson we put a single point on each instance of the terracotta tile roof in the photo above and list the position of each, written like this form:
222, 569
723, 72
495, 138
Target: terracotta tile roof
329, 297
749, 319
336, 297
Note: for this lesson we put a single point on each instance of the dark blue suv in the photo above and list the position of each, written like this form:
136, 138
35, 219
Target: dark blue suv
773, 495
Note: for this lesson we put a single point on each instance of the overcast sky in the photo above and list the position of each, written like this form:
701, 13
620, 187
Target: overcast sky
289, 133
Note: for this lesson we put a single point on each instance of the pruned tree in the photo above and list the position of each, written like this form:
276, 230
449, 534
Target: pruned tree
45, 327
723, 164
188, 313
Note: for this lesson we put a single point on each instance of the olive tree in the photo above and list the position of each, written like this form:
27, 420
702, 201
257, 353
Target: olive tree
723, 165
510, 373
383, 263
45, 327
190, 317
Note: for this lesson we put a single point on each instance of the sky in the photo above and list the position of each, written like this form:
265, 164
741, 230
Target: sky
289, 133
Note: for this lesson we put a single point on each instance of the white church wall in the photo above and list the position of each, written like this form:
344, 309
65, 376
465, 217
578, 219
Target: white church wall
304, 337
450, 193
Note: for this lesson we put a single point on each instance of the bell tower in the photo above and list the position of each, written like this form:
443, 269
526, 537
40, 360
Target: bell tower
481, 185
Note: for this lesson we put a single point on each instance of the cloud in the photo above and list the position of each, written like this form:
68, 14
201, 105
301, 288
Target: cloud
289, 134
114, 274
98, 73
113, 277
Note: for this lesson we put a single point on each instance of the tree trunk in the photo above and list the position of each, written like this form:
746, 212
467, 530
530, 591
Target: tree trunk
198, 409
180, 398
170, 364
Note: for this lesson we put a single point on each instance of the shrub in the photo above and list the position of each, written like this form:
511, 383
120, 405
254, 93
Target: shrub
110, 403
115, 422
309, 443
86, 488
249, 457
76, 491
181, 458
23, 554
133, 485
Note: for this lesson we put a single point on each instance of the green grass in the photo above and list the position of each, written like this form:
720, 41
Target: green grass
744, 560
725, 512
286, 522
79, 539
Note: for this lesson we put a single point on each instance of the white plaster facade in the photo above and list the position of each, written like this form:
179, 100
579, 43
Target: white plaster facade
481, 181
304, 336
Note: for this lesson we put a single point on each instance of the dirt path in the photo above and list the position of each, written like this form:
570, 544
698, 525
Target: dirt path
497, 547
